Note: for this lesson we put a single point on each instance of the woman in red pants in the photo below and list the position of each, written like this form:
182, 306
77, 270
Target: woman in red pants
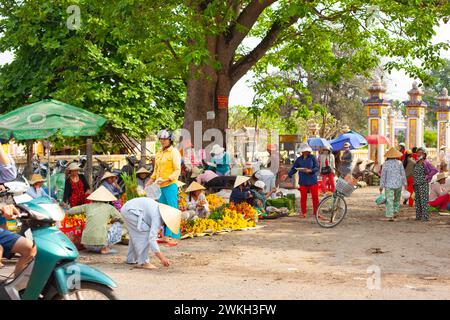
307, 167
408, 164
326, 169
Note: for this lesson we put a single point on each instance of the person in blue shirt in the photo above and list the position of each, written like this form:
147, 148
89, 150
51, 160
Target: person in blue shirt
307, 167
109, 181
11, 243
241, 192
221, 159
36, 191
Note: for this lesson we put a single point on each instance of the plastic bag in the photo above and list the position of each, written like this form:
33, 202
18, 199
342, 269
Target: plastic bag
405, 194
381, 199
153, 191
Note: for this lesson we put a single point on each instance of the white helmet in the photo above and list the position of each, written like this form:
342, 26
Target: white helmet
260, 184
165, 134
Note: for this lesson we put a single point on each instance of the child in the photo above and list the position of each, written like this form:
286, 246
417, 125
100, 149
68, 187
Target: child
96, 235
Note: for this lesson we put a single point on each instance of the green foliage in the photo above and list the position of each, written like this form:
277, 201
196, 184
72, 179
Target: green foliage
130, 185
430, 138
92, 67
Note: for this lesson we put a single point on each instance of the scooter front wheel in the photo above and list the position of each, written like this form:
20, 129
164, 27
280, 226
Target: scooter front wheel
89, 291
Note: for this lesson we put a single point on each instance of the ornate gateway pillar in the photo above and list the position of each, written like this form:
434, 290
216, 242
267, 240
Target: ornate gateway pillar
443, 117
377, 107
415, 113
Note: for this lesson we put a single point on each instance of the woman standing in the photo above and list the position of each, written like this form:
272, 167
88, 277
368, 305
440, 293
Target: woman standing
327, 169
307, 167
76, 189
429, 168
421, 189
392, 179
346, 160
166, 173
409, 164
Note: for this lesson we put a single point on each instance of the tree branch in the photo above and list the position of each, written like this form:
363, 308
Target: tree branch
245, 21
172, 51
245, 63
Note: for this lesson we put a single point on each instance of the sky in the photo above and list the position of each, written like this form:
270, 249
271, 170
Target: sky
397, 83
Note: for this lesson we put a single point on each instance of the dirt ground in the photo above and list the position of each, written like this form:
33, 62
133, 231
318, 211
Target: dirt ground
294, 258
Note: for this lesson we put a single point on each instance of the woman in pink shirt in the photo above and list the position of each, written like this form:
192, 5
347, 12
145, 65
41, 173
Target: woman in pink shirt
439, 195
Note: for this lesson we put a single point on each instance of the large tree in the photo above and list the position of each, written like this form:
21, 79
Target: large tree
90, 66
204, 43
208, 40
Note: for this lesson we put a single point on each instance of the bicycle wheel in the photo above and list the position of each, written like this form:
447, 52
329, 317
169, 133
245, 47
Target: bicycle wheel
331, 211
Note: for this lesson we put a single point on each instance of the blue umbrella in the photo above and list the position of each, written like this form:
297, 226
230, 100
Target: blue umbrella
355, 139
318, 143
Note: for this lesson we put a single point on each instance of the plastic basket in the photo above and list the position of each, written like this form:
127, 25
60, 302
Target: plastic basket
74, 232
344, 187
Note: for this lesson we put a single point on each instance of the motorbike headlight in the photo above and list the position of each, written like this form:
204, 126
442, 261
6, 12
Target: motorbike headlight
38, 215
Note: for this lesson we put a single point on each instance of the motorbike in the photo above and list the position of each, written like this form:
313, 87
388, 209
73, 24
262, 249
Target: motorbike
58, 180
54, 274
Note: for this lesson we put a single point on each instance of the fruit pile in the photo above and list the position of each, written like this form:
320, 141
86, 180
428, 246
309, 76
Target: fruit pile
182, 202
73, 221
223, 218
214, 201
246, 210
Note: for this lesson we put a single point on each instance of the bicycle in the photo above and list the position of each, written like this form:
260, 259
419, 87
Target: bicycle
333, 208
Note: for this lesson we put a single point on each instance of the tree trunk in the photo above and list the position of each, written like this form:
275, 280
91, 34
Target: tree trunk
202, 112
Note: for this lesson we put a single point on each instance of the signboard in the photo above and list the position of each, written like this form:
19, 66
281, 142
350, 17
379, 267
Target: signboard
373, 126
222, 102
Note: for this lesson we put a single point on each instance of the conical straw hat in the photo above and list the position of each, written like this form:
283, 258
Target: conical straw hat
240, 180
143, 170
108, 175
171, 217
393, 153
102, 194
35, 178
180, 184
194, 186
73, 166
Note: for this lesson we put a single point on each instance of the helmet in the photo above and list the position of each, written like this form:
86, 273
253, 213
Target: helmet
260, 184
165, 134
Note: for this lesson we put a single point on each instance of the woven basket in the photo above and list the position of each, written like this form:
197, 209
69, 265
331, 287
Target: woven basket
344, 187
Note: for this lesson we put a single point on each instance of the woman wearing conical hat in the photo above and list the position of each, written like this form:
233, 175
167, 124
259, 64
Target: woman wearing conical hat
393, 178
241, 191
197, 206
98, 236
142, 177
144, 218
35, 190
109, 181
76, 188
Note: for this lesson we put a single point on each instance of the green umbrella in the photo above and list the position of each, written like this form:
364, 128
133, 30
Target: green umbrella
43, 119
